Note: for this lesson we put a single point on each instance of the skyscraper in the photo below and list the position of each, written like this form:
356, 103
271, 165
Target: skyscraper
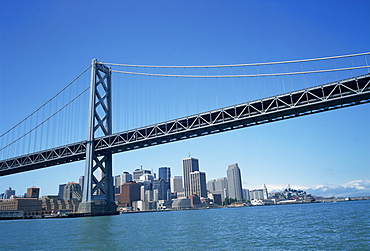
130, 192
234, 182
140, 172
9, 193
221, 187
198, 184
176, 184
72, 191
126, 177
117, 184
61, 191
211, 185
188, 165
164, 173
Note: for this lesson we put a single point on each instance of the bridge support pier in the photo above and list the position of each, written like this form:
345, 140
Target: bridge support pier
98, 193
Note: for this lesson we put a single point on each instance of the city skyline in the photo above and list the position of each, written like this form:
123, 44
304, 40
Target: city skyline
351, 189
329, 149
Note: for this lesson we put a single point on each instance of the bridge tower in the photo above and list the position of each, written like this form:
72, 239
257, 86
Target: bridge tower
97, 194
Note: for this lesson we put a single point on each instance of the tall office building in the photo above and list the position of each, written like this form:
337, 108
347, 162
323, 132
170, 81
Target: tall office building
246, 194
221, 187
176, 184
257, 194
9, 193
160, 186
126, 177
140, 172
211, 185
33, 192
61, 191
72, 191
81, 181
164, 173
198, 184
117, 184
130, 192
189, 165
234, 182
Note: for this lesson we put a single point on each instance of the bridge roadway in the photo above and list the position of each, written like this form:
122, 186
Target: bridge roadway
344, 93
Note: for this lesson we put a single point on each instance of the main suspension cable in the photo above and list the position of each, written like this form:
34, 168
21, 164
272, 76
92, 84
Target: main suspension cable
240, 76
239, 65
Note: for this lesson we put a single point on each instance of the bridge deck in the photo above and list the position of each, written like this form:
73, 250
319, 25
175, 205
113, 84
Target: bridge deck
347, 92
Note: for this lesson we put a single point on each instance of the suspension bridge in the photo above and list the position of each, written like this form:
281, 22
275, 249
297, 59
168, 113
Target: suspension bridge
281, 90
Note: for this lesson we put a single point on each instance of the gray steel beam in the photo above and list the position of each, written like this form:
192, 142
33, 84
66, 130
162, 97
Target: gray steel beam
340, 94
97, 195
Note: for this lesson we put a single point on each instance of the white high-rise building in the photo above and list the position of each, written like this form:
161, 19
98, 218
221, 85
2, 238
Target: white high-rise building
234, 182
176, 184
198, 183
221, 187
257, 194
246, 194
125, 177
189, 165
211, 185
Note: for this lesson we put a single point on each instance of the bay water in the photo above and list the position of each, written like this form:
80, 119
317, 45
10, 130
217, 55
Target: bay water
316, 226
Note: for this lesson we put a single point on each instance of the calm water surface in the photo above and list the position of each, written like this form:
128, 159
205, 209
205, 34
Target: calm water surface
324, 226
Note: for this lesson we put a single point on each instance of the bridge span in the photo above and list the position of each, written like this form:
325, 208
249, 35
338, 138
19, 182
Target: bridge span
339, 94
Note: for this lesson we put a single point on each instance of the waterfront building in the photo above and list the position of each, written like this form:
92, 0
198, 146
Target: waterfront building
216, 198
130, 192
176, 184
72, 191
195, 201
144, 205
8, 193
198, 184
259, 194
52, 204
30, 206
33, 192
181, 203
189, 165
256, 194
234, 182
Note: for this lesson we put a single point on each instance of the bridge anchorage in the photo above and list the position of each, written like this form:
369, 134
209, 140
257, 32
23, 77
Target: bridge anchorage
98, 195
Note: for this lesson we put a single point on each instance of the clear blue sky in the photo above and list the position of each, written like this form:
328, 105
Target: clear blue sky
45, 44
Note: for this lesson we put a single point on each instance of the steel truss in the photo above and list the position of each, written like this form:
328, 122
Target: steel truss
344, 93
97, 195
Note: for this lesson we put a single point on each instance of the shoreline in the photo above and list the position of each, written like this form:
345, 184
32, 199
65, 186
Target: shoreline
79, 215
